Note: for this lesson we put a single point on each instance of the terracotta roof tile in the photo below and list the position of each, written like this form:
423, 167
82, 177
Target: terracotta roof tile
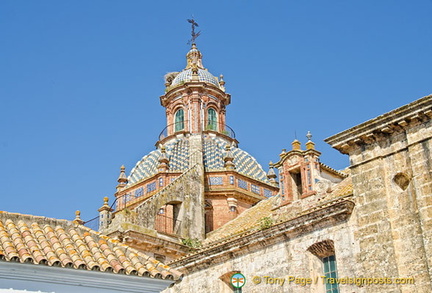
345, 187
39, 240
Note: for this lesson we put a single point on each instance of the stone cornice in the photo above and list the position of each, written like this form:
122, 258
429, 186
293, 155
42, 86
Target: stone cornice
335, 211
195, 86
373, 130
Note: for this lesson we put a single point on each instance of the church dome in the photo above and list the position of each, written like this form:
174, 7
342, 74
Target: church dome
177, 152
203, 76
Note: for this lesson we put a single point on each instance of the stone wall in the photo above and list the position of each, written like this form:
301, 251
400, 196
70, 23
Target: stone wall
391, 172
393, 209
273, 255
273, 264
188, 193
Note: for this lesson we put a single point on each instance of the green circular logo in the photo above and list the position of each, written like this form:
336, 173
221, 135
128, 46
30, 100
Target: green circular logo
238, 280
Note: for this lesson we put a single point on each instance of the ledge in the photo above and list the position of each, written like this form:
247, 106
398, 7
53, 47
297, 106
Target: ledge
394, 121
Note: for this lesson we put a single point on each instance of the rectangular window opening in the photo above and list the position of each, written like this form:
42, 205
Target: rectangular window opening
330, 271
297, 182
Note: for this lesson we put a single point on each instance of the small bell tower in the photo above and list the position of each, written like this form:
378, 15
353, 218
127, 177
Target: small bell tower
298, 169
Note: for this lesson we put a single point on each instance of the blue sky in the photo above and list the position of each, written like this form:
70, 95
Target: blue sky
80, 82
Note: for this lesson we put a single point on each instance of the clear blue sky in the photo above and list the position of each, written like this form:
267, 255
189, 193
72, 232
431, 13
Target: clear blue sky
80, 82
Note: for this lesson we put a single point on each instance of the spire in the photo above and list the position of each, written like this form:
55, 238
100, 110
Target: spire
122, 179
271, 175
222, 82
309, 145
194, 56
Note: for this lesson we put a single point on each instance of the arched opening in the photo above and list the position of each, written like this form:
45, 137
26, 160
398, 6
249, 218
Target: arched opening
179, 120
324, 264
211, 119
167, 218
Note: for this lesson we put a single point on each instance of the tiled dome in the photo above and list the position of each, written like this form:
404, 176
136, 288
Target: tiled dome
178, 154
203, 75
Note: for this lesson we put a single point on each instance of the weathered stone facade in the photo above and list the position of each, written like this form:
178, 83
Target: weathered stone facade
379, 231
272, 255
391, 169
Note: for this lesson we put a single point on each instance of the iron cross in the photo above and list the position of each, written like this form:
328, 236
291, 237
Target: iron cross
194, 35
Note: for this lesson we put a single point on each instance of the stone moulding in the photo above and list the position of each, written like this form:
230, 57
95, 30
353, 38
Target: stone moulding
329, 214
373, 130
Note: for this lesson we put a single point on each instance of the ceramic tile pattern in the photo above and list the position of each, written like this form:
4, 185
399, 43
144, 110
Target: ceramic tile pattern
61, 243
178, 154
203, 75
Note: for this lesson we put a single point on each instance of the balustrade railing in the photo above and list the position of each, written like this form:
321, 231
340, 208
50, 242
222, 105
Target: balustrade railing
182, 126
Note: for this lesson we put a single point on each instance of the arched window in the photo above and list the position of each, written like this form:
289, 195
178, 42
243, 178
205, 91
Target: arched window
179, 120
325, 253
212, 119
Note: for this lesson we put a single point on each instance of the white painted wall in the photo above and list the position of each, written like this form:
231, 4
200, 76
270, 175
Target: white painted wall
45, 279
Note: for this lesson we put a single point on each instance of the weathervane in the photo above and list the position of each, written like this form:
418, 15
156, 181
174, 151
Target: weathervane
194, 35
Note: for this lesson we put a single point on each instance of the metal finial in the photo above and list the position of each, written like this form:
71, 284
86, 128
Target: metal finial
193, 34
309, 135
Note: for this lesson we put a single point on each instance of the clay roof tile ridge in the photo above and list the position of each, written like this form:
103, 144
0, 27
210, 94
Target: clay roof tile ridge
50, 249
72, 251
9, 250
117, 255
83, 250
98, 255
38, 251
61, 249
